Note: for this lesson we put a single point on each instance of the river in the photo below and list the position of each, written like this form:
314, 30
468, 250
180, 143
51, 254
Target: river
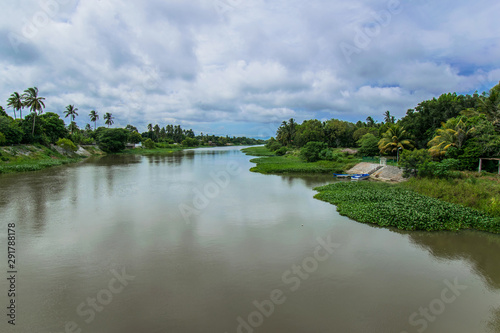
194, 242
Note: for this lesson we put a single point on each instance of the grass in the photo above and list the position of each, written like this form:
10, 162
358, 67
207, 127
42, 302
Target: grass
268, 163
395, 206
31, 158
481, 192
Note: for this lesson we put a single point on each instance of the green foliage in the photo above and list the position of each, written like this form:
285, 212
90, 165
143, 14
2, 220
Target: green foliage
310, 152
3, 140
339, 133
67, 144
309, 131
281, 151
190, 142
474, 191
134, 137
368, 145
52, 126
392, 206
149, 144
273, 145
444, 169
412, 160
112, 140
10, 128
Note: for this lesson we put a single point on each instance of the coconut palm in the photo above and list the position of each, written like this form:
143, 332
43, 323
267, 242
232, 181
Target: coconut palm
394, 139
94, 117
15, 101
453, 133
34, 102
71, 112
108, 117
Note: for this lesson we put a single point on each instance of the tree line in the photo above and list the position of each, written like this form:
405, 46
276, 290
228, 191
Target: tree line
452, 126
48, 128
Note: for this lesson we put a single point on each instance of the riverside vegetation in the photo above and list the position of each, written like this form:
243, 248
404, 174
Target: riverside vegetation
37, 132
438, 143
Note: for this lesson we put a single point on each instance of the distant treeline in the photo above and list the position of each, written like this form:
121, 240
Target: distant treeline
48, 128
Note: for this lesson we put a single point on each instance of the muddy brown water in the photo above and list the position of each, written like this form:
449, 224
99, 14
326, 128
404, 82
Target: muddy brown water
194, 242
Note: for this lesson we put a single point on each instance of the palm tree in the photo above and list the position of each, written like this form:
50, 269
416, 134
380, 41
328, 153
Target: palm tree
15, 101
108, 119
394, 139
94, 117
71, 111
453, 133
35, 103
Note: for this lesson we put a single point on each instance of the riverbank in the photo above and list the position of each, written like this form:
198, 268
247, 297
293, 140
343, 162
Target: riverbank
24, 158
392, 205
269, 163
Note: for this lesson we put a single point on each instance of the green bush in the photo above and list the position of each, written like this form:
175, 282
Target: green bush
67, 145
190, 142
368, 145
282, 151
445, 169
149, 144
112, 140
311, 151
411, 161
326, 155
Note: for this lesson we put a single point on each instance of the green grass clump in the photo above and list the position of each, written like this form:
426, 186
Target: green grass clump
34, 165
393, 206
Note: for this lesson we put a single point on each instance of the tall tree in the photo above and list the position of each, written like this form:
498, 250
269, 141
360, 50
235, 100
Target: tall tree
71, 112
15, 101
34, 103
94, 117
388, 118
108, 117
394, 139
453, 133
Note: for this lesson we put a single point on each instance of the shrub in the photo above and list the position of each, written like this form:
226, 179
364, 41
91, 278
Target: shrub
67, 145
148, 144
112, 140
368, 145
411, 161
3, 140
273, 145
311, 151
282, 151
190, 142
444, 169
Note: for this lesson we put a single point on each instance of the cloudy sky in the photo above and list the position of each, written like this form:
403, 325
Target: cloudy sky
241, 67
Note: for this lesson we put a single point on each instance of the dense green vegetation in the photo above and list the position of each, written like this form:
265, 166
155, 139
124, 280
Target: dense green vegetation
270, 163
48, 128
460, 127
481, 192
394, 206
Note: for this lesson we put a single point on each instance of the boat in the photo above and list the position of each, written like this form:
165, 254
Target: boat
360, 176
341, 175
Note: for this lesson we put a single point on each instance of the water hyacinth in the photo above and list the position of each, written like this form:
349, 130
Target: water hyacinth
391, 206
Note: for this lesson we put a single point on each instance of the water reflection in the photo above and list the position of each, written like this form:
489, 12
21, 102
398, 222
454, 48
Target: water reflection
480, 249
